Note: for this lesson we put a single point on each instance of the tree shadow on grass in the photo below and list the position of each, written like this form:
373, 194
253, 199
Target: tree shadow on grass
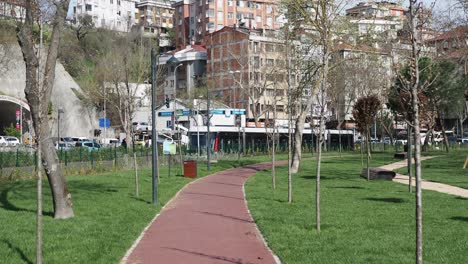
347, 187
461, 198
7, 205
460, 218
18, 251
386, 200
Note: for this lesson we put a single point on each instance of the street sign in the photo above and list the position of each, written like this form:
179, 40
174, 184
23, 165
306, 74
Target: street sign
179, 112
104, 122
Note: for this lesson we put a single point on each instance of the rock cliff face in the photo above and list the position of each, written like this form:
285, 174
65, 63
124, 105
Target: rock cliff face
77, 119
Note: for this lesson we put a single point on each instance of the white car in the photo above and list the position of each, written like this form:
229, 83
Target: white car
141, 126
12, 141
3, 141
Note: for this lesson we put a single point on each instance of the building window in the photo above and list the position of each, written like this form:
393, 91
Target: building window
229, 2
269, 21
210, 13
240, 3
112, 2
88, 7
118, 2
259, 19
220, 3
192, 20
210, 26
230, 15
220, 26
220, 15
259, 6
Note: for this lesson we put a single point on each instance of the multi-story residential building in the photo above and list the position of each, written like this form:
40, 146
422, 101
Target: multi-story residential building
246, 69
377, 10
452, 45
156, 17
375, 18
12, 9
182, 22
118, 15
199, 17
183, 80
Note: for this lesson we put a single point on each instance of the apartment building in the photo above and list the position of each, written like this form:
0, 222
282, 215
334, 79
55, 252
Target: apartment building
196, 18
155, 17
12, 9
185, 69
377, 10
246, 69
117, 15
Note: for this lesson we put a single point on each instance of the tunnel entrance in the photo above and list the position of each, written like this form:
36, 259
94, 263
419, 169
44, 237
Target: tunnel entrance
13, 112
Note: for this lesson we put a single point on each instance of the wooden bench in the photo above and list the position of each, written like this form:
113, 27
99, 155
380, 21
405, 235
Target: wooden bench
378, 174
401, 155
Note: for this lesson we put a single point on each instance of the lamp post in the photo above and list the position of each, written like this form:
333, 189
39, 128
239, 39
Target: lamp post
174, 112
59, 111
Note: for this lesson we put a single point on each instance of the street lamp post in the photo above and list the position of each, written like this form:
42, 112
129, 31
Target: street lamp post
59, 111
174, 112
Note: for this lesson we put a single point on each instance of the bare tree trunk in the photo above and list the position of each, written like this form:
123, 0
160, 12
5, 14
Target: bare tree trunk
368, 152
442, 125
415, 83
135, 164
426, 140
297, 150
273, 153
417, 161
339, 136
38, 94
39, 206
319, 162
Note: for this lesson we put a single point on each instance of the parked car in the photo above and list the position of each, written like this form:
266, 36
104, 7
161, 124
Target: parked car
141, 126
63, 146
90, 145
386, 140
12, 141
110, 141
80, 139
3, 141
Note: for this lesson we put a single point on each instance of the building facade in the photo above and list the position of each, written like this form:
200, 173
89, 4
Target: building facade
12, 9
155, 17
181, 82
117, 15
196, 18
246, 69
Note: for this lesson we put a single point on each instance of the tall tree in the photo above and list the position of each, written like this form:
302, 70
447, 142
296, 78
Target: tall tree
39, 84
313, 23
364, 112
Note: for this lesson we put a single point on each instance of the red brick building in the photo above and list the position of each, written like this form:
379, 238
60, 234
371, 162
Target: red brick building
245, 69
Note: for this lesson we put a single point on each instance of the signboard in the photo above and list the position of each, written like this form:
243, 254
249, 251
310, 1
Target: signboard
169, 148
104, 122
179, 112
238, 112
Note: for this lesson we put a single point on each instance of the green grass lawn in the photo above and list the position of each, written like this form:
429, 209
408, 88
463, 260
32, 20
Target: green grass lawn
362, 222
445, 168
108, 217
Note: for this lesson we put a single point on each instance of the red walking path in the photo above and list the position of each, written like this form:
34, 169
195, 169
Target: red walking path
207, 222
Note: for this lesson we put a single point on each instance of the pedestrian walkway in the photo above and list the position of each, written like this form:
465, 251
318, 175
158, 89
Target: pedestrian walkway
207, 222
425, 185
